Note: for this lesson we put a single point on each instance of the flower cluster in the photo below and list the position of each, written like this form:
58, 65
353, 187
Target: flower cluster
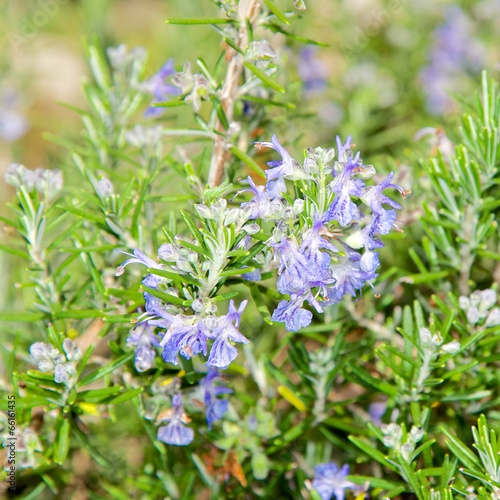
479, 308
215, 407
160, 88
431, 346
310, 266
47, 182
330, 481
403, 443
455, 50
177, 432
187, 335
50, 359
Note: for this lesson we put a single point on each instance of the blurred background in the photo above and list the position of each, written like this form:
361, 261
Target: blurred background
388, 70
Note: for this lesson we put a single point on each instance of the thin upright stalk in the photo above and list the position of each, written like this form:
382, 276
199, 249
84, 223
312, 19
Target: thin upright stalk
248, 10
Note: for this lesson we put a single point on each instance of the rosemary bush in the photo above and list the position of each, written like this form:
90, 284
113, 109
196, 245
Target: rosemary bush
209, 307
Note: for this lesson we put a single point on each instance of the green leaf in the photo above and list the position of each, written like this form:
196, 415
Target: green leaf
260, 466
276, 11
225, 296
486, 253
166, 198
235, 272
207, 20
62, 448
260, 303
374, 482
181, 278
268, 102
79, 314
299, 38
105, 370
410, 477
264, 77
193, 229
97, 395
462, 452
4, 316
370, 381
371, 452
15, 251
250, 162
414, 279
345, 425
124, 396
167, 297
172, 103
200, 465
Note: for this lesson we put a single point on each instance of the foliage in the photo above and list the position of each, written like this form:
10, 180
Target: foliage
259, 280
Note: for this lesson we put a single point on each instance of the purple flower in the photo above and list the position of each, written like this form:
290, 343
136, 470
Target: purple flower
286, 167
139, 257
312, 71
377, 409
188, 340
344, 151
292, 314
215, 408
175, 432
374, 197
143, 338
222, 353
351, 274
342, 208
260, 203
295, 271
254, 275
382, 223
366, 237
455, 51
312, 242
161, 90
13, 124
329, 481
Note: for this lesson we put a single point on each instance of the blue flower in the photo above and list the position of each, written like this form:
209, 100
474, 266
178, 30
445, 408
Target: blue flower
215, 408
254, 275
143, 338
260, 203
329, 481
344, 151
376, 410
286, 167
13, 124
222, 353
454, 51
351, 274
312, 71
188, 340
151, 280
375, 198
382, 224
292, 314
312, 242
342, 208
136, 257
295, 271
175, 432
161, 90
